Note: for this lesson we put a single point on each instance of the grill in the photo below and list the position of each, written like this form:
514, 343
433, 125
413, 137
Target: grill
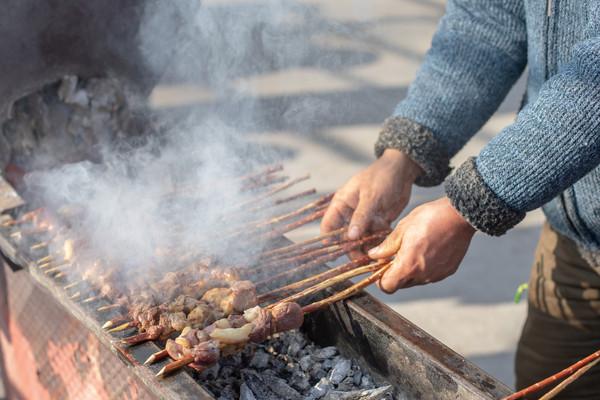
54, 347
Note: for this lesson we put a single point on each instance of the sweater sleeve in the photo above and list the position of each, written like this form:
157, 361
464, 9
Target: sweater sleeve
554, 142
477, 53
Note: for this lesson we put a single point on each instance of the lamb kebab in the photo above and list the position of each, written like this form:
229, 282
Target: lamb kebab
159, 322
223, 277
192, 283
202, 348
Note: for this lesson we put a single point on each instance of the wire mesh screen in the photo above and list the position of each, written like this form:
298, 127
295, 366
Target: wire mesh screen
48, 354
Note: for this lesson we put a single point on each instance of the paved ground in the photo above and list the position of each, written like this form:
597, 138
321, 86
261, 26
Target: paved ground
333, 78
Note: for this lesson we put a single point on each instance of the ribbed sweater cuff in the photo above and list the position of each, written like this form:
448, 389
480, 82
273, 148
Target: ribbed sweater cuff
419, 143
475, 201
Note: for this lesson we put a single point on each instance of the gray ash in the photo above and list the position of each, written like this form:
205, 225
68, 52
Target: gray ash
289, 366
69, 121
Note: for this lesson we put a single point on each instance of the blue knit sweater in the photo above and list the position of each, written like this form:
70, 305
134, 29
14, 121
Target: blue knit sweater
550, 156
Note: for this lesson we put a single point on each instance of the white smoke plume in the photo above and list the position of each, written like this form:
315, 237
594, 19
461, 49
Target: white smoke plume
123, 207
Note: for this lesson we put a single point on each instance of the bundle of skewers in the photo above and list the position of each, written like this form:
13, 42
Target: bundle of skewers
202, 309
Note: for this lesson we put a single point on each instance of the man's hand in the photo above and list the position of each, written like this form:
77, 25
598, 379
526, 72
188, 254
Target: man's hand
372, 199
429, 244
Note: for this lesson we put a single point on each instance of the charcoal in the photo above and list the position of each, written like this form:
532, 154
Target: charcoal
306, 363
260, 359
370, 394
317, 371
357, 378
340, 370
211, 373
346, 385
278, 365
257, 386
246, 393
280, 387
320, 389
234, 360
300, 380
367, 382
294, 349
289, 367
227, 372
326, 352
228, 393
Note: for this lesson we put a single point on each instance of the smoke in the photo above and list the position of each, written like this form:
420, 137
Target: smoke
178, 192
154, 205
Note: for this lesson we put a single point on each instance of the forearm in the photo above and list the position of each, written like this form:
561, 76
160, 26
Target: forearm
477, 54
554, 143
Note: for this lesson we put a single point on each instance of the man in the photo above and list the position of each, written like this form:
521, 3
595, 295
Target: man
549, 157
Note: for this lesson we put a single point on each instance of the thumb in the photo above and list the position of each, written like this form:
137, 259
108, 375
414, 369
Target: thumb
361, 219
389, 246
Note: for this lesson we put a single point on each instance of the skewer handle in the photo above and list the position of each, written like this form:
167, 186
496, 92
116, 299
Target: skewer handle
344, 294
175, 365
551, 379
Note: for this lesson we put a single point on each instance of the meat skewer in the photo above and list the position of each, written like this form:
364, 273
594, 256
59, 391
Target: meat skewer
172, 285
156, 327
27, 217
330, 256
273, 191
159, 322
320, 211
305, 250
204, 348
289, 289
297, 246
264, 225
554, 378
294, 225
264, 182
348, 246
266, 172
290, 198
276, 220
308, 267
334, 281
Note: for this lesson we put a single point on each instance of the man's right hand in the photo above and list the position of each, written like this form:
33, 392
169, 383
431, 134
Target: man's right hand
373, 198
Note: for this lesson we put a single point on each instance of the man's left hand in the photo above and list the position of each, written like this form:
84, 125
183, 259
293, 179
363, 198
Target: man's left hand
429, 244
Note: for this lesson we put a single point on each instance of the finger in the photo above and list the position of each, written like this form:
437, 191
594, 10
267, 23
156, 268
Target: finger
398, 276
390, 246
362, 218
336, 216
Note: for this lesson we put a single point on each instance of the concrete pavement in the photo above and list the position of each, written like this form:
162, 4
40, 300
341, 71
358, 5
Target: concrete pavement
320, 104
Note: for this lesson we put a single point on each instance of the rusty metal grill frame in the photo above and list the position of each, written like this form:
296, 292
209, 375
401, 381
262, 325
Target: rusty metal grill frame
388, 345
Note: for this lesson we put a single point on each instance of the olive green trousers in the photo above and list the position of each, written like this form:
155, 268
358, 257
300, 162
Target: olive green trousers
563, 321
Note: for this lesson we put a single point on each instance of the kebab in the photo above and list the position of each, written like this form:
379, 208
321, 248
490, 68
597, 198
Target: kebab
321, 283
224, 291
156, 323
108, 290
100, 279
192, 282
202, 348
240, 296
188, 312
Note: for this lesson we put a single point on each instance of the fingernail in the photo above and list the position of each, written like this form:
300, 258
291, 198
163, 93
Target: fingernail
353, 233
374, 251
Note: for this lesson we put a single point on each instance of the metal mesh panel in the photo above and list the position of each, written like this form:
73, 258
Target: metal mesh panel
50, 354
